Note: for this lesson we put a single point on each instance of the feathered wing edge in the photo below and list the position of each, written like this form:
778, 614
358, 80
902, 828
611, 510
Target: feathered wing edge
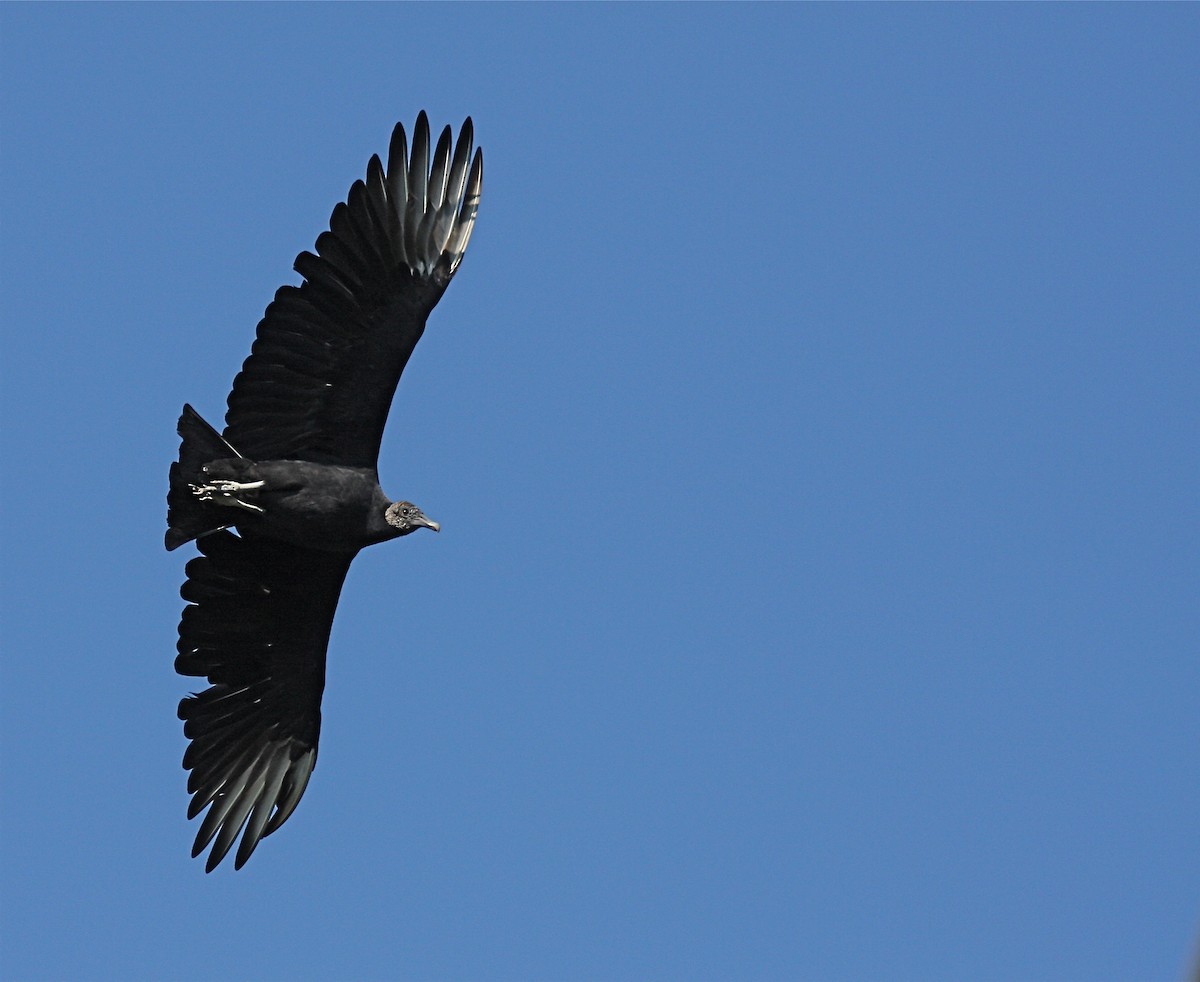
414, 214
442, 199
261, 788
256, 626
319, 380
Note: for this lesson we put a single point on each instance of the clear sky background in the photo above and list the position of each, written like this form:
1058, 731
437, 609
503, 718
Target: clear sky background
813, 425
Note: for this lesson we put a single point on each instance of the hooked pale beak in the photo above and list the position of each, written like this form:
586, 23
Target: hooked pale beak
428, 523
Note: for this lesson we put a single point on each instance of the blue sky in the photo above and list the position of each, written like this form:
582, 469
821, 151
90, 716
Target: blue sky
812, 424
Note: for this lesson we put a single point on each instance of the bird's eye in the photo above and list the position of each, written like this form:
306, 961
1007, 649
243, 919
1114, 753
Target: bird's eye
405, 511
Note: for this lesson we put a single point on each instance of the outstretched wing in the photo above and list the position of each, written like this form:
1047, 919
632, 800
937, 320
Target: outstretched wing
256, 626
319, 380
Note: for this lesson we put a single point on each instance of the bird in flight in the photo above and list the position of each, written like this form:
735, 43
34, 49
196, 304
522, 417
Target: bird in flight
294, 473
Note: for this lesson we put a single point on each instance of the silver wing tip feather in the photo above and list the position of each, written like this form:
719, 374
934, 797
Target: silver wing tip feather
436, 202
260, 792
457, 237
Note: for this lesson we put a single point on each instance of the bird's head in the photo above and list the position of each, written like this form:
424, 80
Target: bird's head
407, 517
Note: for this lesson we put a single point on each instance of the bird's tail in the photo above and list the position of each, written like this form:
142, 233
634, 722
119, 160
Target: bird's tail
187, 516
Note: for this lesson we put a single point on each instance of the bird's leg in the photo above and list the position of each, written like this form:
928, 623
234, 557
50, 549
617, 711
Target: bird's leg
225, 493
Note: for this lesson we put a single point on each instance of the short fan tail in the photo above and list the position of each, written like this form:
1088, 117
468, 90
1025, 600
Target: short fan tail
187, 516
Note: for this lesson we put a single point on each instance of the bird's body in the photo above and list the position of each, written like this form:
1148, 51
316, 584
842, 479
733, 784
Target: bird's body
318, 506
295, 474
323, 506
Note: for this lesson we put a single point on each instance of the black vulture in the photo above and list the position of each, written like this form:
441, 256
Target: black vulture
294, 473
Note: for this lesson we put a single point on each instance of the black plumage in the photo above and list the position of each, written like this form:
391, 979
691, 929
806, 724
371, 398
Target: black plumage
295, 474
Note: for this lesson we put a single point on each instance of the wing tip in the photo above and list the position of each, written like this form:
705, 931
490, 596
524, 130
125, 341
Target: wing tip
251, 802
441, 198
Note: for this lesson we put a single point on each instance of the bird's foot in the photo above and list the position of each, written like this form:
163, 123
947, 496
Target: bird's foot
226, 492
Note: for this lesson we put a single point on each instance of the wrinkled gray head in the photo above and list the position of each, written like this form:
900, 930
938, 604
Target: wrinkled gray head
407, 517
